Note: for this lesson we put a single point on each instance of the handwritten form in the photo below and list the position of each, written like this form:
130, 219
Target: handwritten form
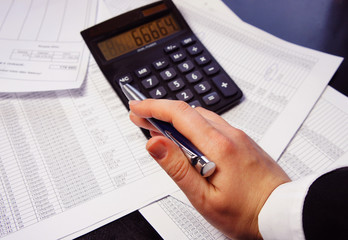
40, 45
320, 144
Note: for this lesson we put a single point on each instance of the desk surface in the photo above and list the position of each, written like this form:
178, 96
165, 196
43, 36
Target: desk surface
320, 25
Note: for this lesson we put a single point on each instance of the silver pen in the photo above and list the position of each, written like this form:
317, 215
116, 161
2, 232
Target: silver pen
196, 158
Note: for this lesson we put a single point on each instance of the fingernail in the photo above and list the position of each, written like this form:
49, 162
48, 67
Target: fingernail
158, 151
133, 102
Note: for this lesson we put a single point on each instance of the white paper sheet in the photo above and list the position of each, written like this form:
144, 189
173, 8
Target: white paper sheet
71, 159
320, 145
281, 81
40, 44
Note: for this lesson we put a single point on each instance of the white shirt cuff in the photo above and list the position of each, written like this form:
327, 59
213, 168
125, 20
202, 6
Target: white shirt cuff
281, 215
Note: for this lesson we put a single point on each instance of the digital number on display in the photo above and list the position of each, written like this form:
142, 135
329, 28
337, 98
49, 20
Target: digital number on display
138, 37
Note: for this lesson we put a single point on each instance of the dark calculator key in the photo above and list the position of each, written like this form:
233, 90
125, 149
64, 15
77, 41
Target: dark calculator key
178, 56
188, 41
202, 87
211, 98
124, 79
211, 69
143, 72
203, 59
195, 104
194, 76
150, 82
225, 85
160, 64
186, 66
185, 95
171, 48
194, 50
176, 84
157, 93
168, 74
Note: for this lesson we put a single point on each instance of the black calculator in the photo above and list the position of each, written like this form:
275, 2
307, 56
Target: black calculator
154, 49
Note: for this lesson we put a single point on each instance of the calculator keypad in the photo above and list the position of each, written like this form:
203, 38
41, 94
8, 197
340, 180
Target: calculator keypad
186, 72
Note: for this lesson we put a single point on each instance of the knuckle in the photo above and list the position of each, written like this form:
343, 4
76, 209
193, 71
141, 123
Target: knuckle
178, 170
182, 106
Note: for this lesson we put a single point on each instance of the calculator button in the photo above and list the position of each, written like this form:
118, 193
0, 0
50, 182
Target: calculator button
178, 56
203, 60
202, 87
225, 85
143, 72
194, 76
211, 98
186, 66
125, 79
160, 64
195, 104
168, 74
176, 84
185, 95
211, 69
159, 92
194, 50
171, 48
150, 82
188, 41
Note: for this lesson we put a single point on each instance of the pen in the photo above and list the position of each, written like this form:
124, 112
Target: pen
196, 158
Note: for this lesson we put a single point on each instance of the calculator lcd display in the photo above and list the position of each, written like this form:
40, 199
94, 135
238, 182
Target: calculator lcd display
138, 37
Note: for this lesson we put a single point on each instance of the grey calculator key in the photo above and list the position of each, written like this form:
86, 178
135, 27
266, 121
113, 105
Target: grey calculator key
185, 95
150, 82
195, 104
194, 49
203, 59
157, 93
143, 72
176, 84
178, 56
195, 76
124, 79
211, 98
186, 66
168, 74
160, 64
211, 69
202, 87
225, 85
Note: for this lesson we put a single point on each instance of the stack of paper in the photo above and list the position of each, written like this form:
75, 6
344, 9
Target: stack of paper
72, 158
40, 44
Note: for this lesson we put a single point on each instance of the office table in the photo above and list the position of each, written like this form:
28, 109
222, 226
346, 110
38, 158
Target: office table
321, 25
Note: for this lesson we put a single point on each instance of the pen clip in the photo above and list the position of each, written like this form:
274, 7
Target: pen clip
188, 153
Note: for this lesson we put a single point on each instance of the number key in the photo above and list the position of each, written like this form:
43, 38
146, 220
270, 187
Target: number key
186, 66
176, 84
185, 95
150, 82
168, 74
157, 93
194, 76
202, 87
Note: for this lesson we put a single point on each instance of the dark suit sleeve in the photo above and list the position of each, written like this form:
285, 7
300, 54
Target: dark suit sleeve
325, 210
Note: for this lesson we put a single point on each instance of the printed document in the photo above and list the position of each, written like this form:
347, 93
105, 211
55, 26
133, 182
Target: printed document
40, 44
321, 144
70, 160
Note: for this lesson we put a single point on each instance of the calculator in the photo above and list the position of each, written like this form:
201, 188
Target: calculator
154, 49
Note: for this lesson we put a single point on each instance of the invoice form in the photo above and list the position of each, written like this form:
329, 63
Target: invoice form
40, 44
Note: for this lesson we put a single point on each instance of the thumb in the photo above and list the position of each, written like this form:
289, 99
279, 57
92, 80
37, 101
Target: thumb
174, 162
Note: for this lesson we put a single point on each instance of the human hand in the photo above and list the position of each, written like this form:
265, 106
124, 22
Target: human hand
245, 176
